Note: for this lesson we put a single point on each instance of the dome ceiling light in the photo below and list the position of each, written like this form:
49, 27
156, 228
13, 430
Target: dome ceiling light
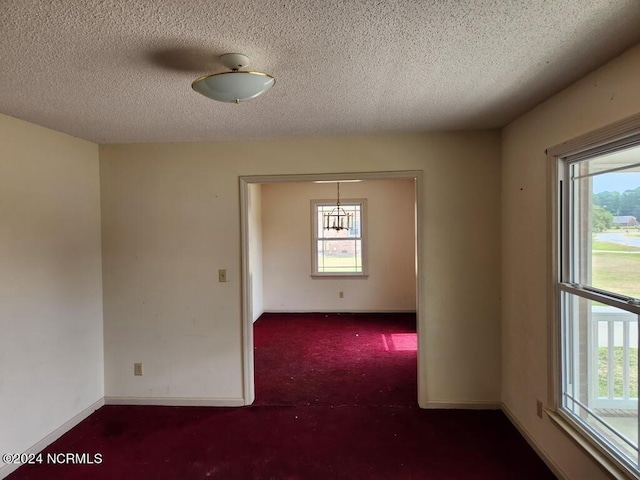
235, 86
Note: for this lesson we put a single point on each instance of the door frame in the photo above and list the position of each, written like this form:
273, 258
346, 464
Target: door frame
248, 365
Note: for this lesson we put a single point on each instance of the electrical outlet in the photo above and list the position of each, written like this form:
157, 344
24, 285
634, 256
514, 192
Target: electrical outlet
341, 294
539, 408
137, 369
222, 275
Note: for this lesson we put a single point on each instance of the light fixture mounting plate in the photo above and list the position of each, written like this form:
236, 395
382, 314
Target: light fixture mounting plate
234, 61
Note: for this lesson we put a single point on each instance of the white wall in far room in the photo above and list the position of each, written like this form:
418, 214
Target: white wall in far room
254, 237
390, 242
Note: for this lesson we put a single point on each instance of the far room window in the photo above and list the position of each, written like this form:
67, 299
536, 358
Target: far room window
598, 295
338, 251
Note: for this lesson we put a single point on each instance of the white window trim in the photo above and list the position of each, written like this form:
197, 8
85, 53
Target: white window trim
363, 239
615, 133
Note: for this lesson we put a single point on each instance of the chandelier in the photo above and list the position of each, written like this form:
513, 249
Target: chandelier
338, 219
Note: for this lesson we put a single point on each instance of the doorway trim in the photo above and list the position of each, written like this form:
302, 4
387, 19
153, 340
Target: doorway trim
248, 365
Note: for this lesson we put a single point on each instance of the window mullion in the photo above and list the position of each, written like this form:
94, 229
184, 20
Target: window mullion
566, 218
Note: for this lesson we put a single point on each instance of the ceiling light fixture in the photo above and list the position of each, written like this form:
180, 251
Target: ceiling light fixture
338, 219
234, 86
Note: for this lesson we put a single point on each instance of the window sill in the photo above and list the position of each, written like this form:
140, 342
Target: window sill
612, 467
333, 276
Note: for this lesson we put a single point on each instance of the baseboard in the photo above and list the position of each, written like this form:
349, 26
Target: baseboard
5, 470
463, 405
557, 471
176, 401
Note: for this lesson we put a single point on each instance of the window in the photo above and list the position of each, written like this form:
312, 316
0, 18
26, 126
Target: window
598, 296
338, 252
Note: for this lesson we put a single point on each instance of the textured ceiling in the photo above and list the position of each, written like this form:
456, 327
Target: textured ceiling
114, 71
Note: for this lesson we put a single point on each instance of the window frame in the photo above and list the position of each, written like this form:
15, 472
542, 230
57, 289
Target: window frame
362, 203
617, 136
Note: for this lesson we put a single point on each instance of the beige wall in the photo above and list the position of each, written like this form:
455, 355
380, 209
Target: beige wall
171, 220
390, 243
608, 94
51, 357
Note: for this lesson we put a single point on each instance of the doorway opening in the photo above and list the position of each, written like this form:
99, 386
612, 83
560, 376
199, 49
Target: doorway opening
277, 294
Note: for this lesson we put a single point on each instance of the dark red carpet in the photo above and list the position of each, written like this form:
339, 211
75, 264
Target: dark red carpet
336, 359
336, 419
